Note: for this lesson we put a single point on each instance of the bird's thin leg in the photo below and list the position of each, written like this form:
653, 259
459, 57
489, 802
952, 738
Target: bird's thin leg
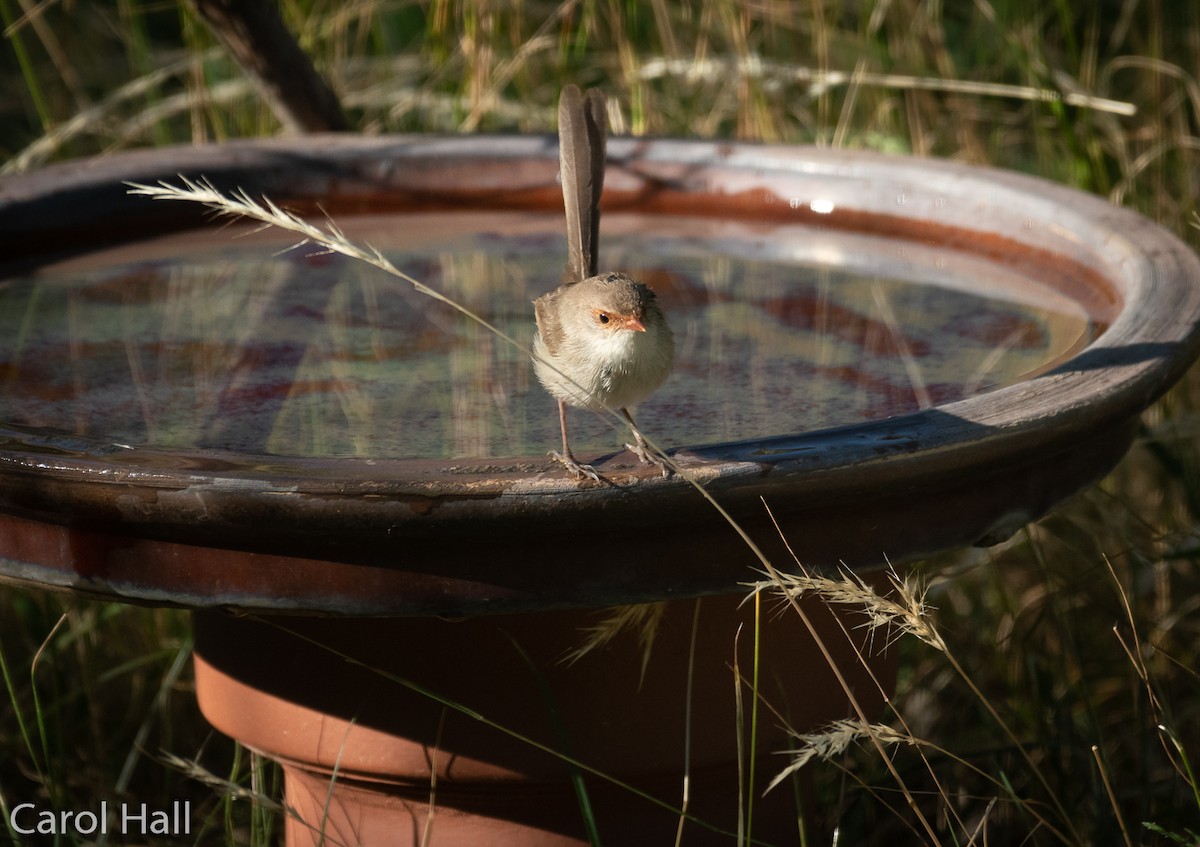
641, 449
566, 458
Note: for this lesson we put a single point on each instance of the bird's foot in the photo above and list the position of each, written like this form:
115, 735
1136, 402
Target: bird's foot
648, 458
573, 467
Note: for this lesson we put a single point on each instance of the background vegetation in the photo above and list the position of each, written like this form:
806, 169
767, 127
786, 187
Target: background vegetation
1082, 633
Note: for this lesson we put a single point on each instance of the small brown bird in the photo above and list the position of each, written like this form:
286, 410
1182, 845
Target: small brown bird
602, 340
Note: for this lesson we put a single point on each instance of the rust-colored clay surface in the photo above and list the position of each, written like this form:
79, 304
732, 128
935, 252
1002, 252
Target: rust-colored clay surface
404, 761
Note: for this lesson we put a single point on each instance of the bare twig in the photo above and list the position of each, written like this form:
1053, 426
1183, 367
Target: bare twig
256, 36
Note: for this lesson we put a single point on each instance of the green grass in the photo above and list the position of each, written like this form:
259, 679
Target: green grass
1082, 634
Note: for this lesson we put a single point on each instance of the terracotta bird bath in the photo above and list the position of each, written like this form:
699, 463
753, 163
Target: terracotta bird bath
348, 482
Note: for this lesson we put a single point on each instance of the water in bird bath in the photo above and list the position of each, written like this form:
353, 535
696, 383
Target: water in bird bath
228, 339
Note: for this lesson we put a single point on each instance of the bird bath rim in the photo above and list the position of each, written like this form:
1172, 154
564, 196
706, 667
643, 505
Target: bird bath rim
1036, 441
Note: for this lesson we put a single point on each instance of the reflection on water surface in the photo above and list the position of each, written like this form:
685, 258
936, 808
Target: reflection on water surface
214, 340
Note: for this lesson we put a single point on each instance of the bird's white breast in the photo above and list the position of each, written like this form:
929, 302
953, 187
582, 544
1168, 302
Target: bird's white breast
614, 369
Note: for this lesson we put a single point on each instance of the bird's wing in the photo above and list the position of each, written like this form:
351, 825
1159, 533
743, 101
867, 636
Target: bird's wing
545, 313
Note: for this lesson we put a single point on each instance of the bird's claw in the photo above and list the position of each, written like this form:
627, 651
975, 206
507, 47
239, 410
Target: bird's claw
574, 468
648, 458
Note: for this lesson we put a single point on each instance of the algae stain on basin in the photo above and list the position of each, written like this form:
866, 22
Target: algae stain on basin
228, 339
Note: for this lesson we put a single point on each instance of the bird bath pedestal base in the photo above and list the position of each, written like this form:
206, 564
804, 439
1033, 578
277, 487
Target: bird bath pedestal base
371, 760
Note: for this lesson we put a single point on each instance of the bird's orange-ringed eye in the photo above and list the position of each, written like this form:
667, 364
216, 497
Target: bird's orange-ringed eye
602, 317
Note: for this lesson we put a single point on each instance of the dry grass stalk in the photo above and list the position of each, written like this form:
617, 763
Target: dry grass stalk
907, 614
835, 740
775, 74
194, 770
643, 619
330, 236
